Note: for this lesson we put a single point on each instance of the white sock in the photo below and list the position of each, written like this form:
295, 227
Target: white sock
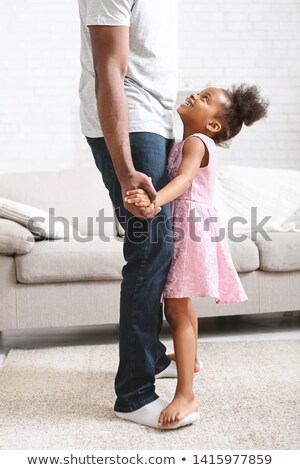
168, 372
171, 371
148, 415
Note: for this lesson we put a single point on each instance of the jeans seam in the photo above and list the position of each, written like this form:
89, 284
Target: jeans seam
137, 285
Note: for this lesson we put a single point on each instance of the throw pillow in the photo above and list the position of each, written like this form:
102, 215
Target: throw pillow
14, 238
35, 220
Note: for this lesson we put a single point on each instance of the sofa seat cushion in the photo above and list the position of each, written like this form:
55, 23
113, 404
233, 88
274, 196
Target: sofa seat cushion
245, 255
65, 261
281, 253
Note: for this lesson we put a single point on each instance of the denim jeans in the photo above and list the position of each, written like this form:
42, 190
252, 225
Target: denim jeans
147, 249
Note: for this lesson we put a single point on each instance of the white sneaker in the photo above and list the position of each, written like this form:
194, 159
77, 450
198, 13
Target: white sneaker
149, 414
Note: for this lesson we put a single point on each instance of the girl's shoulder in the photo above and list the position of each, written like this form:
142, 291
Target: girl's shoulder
210, 153
177, 148
210, 143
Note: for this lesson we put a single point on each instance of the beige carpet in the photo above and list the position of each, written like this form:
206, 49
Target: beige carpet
62, 398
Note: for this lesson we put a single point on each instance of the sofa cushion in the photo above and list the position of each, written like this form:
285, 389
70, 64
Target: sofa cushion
78, 194
248, 192
244, 254
14, 238
281, 253
64, 261
40, 223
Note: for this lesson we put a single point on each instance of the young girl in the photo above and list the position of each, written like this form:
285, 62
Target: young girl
201, 264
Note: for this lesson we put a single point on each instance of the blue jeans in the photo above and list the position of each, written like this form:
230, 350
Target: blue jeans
147, 250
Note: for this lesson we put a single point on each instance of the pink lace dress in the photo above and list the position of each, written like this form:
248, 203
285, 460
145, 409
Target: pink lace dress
200, 266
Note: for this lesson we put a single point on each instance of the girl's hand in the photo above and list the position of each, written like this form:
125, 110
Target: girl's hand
139, 197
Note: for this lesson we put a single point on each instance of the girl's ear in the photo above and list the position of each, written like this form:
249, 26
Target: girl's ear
214, 126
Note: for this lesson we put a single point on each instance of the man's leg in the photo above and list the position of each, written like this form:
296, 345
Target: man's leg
153, 162
147, 254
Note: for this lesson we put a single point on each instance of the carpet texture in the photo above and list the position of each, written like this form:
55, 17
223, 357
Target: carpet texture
62, 398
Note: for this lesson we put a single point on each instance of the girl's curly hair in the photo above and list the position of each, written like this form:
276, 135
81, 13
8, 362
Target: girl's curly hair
246, 106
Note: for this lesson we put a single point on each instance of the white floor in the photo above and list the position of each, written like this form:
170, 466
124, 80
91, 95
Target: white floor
283, 325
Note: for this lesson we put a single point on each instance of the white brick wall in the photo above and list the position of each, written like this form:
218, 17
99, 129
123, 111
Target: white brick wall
39, 75
256, 42
253, 41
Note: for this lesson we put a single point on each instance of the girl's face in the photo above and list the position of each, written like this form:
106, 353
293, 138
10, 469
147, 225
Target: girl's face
198, 111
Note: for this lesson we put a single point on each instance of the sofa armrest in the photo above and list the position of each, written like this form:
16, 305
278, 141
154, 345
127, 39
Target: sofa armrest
8, 297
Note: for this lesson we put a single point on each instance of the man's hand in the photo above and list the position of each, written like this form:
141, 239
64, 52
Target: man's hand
135, 181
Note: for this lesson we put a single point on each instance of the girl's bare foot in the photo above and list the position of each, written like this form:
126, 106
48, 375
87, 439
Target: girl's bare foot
197, 366
179, 408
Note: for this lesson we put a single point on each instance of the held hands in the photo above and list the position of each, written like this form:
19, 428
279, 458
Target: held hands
140, 182
139, 197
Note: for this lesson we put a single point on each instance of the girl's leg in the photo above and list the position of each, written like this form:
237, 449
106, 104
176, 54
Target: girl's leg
193, 317
184, 401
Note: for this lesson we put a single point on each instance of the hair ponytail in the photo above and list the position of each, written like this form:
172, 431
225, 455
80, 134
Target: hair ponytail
246, 106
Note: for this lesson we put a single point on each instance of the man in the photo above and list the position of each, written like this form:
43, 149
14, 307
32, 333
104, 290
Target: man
127, 89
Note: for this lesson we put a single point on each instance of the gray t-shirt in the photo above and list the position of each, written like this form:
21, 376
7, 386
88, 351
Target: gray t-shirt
151, 80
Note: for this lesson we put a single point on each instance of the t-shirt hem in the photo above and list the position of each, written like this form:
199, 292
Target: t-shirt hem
154, 129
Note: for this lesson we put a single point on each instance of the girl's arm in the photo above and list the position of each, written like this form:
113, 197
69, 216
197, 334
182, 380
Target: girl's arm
192, 154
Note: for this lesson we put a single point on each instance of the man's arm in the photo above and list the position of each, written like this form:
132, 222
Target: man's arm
110, 46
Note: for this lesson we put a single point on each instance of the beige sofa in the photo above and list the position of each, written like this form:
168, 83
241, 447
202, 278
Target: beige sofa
66, 283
